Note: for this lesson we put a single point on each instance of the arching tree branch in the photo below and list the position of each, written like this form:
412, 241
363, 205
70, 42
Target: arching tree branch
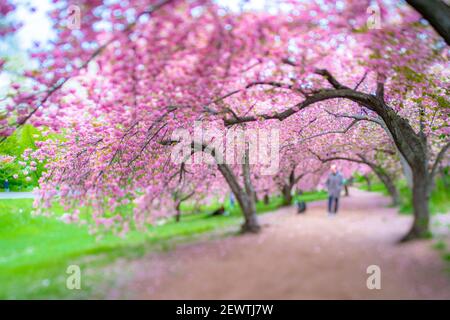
437, 13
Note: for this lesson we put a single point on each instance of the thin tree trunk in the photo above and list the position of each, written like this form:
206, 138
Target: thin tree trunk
255, 197
288, 185
178, 206
389, 184
248, 206
392, 190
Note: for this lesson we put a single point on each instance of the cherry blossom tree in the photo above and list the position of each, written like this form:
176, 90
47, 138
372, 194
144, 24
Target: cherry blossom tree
376, 153
402, 84
121, 77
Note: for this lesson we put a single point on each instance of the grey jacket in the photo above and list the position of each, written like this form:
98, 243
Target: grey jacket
334, 184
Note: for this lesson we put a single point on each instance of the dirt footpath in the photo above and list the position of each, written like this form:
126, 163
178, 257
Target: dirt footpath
309, 256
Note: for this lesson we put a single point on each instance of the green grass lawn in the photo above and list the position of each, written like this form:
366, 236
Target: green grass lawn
36, 251
439, 200
309, 196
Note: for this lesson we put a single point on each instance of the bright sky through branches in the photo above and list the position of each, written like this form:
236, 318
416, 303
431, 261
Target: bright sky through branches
37, 27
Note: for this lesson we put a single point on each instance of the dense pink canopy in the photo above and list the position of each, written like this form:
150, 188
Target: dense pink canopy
116, 88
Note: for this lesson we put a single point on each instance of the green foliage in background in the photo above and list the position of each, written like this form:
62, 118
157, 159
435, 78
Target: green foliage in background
439, 199
14, 146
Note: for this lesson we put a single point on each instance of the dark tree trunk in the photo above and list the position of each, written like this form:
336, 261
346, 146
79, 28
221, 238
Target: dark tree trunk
245, 200
413, 146
178, 211
266, 199
248, 200
288, 185
420, 198
287, 195
255, 197
250, 218
244, 196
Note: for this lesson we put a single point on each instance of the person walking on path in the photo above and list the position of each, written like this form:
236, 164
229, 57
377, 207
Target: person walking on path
334, 184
